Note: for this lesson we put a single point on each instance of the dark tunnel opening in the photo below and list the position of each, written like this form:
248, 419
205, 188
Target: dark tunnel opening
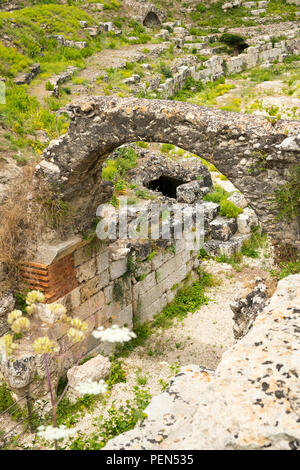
166, 185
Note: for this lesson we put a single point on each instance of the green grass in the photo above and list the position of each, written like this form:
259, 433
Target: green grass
166, 148
287, 197
234, 260
6, 401
32, 40
286, 269
256, 242
119, 420
24, 115
203, 94
219, 194
115, 169
214, 16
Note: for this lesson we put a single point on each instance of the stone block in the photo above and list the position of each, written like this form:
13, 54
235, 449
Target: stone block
102, 261
89, 289
7, 304
125, 317
91, 306
145, 285
82, 255
243, 223
97, 368
147, 298
191, 192
238, 199
86, 271
118, 268
147, 313
222, 228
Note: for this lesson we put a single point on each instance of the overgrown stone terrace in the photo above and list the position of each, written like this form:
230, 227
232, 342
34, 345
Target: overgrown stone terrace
178, 52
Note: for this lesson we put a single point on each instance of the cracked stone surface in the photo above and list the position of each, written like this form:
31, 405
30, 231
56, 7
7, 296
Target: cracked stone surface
251, 402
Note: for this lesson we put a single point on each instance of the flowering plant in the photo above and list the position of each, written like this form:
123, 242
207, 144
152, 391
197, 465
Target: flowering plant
45, 316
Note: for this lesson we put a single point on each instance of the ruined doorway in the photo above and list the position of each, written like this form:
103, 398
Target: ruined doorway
151, 20
166, 185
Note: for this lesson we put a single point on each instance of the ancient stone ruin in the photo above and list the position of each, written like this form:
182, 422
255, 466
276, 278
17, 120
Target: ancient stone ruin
149, 187
235, 143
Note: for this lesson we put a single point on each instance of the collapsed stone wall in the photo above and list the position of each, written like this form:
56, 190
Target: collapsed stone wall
235, 143
218, 66
251, 402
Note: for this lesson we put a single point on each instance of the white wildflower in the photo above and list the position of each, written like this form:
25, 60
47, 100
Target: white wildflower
58, 310
14, 315
44, 345
35, 296
90, 387
55, 434
115, 334
20, 325
75, 335
7, 346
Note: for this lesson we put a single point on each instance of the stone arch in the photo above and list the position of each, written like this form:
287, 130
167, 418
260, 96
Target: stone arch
151, 20
254, 154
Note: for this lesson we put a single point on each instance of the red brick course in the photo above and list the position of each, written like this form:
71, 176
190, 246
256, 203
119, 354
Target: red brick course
55, 280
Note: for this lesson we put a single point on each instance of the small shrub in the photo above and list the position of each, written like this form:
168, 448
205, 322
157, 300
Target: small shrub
217, 196
229, 209
165, 70
49, 86
117, 374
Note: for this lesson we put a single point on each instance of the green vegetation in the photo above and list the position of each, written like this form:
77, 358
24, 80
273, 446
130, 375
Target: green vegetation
287, 197
115, 169
7, 401
251, 248
166, 148
118, 291
235, 42
151, 256
190, 88
213, 16
188, 299
286, 269
119, 420
227, 208
218, 195
33, 38
117, 374
256, 242
23, 114
234, 260
198, 93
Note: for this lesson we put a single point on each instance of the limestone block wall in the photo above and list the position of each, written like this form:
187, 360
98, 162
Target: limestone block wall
217, 66
112, 285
